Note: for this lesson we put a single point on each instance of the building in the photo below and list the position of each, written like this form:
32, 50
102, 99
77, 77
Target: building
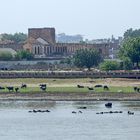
41, 42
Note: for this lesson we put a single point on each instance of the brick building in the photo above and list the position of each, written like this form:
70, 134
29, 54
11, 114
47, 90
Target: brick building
41, 42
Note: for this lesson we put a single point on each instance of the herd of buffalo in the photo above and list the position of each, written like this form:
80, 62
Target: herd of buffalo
108, 105
105, 87
43, 87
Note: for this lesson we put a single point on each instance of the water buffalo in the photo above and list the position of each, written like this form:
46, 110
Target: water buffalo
96, 86
108, 105
90, 88
10, 88
130, 113
1, 88
79, 86
82, 107
23, 86
43, 87
106, 87
74, 112
136, 89
16, 89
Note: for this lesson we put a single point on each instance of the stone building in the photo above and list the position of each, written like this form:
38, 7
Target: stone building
41, 42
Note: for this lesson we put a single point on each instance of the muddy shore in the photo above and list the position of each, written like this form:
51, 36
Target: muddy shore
70, 96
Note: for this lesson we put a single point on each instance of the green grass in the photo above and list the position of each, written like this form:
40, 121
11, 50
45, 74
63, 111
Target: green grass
74, 90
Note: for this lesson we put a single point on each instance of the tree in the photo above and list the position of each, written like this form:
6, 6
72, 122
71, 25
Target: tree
131, 49
23, 55
87, 58
67, 60
109, 65
130, 33
17, 37
6, 56
127, 64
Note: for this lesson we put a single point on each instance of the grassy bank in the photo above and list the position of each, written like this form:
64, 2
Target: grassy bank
74, 90
70, 85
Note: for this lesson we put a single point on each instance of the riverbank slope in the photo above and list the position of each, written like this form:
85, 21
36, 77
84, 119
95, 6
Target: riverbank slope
71, 96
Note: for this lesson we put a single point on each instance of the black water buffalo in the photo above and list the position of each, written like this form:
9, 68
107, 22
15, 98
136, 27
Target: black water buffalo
130, 113
82, 107
23, 86
74, 112
79, 86
16, 89
136, 89
40, 111
1, 88
96, 86
43, 87
10, 88
90, 88
106, 87
108, 105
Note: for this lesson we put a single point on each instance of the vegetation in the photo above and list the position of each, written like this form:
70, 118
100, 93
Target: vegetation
110, 65
131, 50
17, 37
69, 85
130, 33
67, 61
75, 90
23, 55
127, 64
6, 56
87, 58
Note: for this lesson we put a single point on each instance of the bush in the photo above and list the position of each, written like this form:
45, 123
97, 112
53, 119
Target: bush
109, 65
23, 55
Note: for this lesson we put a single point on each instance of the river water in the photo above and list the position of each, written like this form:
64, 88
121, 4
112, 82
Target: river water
16, 123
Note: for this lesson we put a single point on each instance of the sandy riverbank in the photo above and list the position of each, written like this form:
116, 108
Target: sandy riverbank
71, 96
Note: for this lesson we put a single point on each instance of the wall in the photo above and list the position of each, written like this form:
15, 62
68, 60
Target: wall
48, 34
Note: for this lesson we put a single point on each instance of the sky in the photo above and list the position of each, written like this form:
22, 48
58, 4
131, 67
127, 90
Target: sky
93, 19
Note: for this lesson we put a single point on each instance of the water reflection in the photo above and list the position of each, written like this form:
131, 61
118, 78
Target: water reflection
135, 105
27, 104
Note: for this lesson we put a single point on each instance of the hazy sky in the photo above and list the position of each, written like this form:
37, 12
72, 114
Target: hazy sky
91, 18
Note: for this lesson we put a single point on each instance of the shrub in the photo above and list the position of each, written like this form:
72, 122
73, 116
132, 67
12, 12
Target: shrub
109, 65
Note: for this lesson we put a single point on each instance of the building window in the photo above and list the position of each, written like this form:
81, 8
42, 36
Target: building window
38, 50
35, 50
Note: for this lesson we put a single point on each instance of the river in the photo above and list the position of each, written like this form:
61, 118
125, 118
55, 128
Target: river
16, 123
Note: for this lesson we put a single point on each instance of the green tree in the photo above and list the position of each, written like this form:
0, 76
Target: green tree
130, 33
131, 49
66, 61
127, 64
87, 58
6, 56
17, 37
109, 65
23, 55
